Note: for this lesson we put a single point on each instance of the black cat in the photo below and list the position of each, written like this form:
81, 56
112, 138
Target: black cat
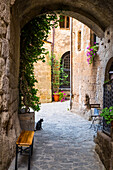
39, 124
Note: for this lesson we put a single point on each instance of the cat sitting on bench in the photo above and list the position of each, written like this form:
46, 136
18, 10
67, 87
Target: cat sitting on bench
39, 125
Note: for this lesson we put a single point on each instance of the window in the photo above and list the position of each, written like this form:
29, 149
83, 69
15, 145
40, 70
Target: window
65, 62
64, 23
79, 40
96, 39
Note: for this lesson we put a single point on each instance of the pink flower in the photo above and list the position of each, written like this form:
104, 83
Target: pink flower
88, 47
64, 93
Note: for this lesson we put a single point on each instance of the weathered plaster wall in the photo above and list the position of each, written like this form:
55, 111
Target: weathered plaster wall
84, 75
43, 75
89, 79
62, 42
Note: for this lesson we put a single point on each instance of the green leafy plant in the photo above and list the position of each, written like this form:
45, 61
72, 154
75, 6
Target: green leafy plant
59, 76
62, 96
106, 81
107, 113
31, 50
91, 53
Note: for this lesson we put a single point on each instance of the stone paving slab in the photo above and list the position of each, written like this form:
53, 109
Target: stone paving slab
65, 143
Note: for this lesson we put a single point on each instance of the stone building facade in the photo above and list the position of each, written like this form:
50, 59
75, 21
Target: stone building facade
14, 14
61, 39
84, 75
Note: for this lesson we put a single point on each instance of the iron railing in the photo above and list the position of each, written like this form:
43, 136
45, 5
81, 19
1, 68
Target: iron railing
107, 102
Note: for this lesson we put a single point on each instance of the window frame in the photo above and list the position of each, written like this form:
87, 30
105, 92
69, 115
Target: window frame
65, 23
79, 43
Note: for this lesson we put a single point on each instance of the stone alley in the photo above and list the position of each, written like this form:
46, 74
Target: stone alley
64, 143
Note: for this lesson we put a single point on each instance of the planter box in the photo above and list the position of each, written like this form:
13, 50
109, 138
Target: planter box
27, 121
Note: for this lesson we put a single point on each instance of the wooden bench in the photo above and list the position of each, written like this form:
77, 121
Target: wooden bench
25, 140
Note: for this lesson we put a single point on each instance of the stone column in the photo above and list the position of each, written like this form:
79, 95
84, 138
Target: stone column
9, 68
4, 72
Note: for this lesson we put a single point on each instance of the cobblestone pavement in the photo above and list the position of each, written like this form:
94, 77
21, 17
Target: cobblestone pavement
65, 143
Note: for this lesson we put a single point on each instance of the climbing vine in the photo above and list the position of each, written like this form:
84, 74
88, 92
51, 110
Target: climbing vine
32, 50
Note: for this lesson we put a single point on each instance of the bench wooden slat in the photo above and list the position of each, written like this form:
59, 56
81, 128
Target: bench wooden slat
25, 138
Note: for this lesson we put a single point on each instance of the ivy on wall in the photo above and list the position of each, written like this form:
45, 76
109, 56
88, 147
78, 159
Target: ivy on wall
31, 50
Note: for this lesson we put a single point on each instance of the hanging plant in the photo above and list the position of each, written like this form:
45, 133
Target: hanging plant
91, 53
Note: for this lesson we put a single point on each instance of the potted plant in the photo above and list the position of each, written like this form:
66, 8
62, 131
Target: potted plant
59, 96
56, 96
62, 96
107, 113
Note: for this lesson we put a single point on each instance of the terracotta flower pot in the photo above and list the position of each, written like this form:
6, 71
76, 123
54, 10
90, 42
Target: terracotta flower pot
56, 97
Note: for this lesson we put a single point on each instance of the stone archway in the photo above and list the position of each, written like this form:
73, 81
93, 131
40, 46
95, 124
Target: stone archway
14, 15
88, 12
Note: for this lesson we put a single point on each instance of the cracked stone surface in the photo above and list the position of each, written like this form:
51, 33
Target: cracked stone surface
64, 143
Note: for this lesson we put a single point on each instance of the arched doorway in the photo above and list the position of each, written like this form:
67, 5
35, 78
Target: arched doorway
65, 64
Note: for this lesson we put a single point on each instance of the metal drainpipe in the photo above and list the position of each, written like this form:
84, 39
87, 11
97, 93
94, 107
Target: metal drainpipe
52, 52
71, 46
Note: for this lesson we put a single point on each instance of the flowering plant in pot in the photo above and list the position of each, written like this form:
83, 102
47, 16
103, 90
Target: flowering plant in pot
56, 96
62, 96
59, 96
107, 113
91, 53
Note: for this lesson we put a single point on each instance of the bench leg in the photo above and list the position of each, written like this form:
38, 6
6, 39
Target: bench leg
32, 147
29, 157
16, 157
21, 150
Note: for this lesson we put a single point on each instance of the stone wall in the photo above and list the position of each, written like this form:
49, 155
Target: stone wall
104, 148
9, 124
84, 75
43, 75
